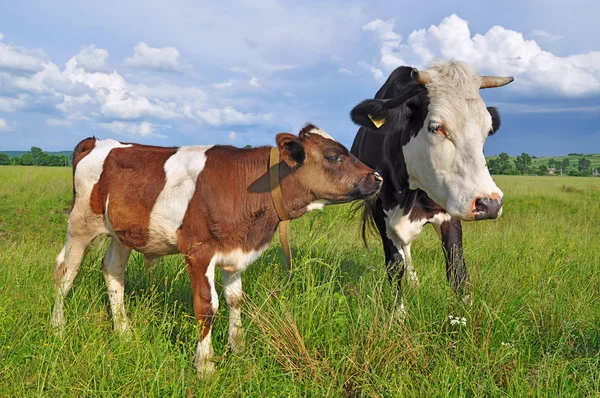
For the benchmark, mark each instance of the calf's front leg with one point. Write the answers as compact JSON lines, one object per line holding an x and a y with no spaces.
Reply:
{"x":201,"y":268}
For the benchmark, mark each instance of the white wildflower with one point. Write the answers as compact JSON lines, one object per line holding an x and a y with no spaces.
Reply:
{"x":454,"y":320}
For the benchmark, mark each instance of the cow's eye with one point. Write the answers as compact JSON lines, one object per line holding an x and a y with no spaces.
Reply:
{"x":436,"y":128}
{"x":334,"y":158}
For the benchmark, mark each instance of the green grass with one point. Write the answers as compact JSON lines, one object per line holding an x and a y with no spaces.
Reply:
{"x":533,"y":328}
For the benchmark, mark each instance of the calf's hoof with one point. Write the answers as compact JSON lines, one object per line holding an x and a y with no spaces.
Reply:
{"x":205,"y":369}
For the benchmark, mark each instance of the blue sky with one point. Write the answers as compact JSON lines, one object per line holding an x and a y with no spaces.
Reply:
{"x":238,"y":72}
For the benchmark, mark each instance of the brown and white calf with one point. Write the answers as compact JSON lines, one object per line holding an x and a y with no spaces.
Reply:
{"x":210,"y":203}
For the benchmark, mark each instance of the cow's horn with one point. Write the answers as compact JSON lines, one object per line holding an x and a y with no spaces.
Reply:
{"x":420,"y":77}
{"x":495,"y":81}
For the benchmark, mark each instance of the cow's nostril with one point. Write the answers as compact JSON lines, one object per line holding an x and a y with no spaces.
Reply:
{"x":481,"y":205}
{"x":377,"y":177}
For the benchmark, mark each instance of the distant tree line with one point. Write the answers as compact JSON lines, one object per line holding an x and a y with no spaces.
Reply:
{"x":35,"y":157}
{"x":523,"y":166}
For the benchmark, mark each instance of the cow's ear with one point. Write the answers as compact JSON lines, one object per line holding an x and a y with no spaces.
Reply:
{"x":370,"y":113}
{"x":495,"y":119}
{"x":291,"y":149}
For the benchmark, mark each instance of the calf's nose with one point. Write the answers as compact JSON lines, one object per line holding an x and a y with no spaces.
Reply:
{"x":487,"y":207}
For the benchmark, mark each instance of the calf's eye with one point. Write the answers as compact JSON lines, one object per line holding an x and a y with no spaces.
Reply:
{"x":334,"y":158}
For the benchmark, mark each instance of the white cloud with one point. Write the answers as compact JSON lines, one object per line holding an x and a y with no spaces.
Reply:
{"x":59,"y":122}
{"x":543,"y":35}
{"x":232,"y":135}
{"x":3,"y":125}
{"x":499,"y":51}
{"x":346,"y":71}
{"x":20,"y":59}
{"x":237,"y":69}
{"x":81,"y":94}
{"x":254,"y":82}
{"x":377,"y":73}
{"x":165,"y":59}
{"x":92,"y":59}
{"x":231,"y":116}
{"x":8,"y":104}
{"x":143,"y":129}
{"x":228,"y":83}
{"x":390,"y":42}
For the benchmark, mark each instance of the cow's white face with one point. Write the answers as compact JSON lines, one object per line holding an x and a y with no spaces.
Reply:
{"x":445,"y":159}
{"x":436,"y":125}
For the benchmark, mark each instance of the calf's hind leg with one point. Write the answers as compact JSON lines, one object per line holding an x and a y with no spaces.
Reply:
{"x":114,"y":264}
{"x":68,"y":262}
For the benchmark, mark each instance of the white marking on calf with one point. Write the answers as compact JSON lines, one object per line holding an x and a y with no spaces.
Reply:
{"x":237,"y":260}
{"x":89,"y":169}
{"x":182,"y":171}
{"x":322,"y":133}
{"x":318,"y":204}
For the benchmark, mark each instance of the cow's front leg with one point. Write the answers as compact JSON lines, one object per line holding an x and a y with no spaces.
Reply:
{"x":201,"y":268}
{"x":413,"y":279}
{"x":450,"y":233}
{"x":232,"y":286}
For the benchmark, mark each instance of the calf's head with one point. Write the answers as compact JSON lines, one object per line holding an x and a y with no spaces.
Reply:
{"x":440,"y":124}
{"x":324,"y":167}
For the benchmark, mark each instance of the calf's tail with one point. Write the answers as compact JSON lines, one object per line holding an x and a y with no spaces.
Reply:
{"x":81,"y":150}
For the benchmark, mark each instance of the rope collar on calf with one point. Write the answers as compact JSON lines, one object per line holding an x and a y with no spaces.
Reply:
{"x":284,"y":217}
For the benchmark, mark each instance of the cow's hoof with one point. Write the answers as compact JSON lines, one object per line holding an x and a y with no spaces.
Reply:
{"x":413,"y":279}
{"x":467,"y":300}
{"x":399,"y":314}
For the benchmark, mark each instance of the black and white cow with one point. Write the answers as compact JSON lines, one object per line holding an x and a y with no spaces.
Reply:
{"x":425,"y":132}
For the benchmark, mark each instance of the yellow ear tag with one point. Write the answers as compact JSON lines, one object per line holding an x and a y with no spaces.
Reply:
{"x":377,"y":122}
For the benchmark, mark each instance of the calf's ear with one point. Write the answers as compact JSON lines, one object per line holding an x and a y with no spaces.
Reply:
{"x":290,"y":149}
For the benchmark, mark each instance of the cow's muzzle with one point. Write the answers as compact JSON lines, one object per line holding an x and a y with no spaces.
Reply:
{"x":485,"y":208}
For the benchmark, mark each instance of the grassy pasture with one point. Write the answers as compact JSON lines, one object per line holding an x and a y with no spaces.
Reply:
{"x":533,"y":328}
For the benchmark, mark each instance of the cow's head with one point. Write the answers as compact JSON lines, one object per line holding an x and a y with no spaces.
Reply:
{"x":442,"y":124}
{"x":325,"y":168}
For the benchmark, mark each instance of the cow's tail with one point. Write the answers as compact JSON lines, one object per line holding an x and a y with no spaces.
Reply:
{"x":367,"y":225}
{"x":81,"y":150}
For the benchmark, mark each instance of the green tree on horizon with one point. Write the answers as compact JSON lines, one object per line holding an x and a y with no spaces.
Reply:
{"x":522,"y":163}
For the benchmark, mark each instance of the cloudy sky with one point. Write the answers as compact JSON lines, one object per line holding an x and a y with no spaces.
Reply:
{"x":191,"y":72}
